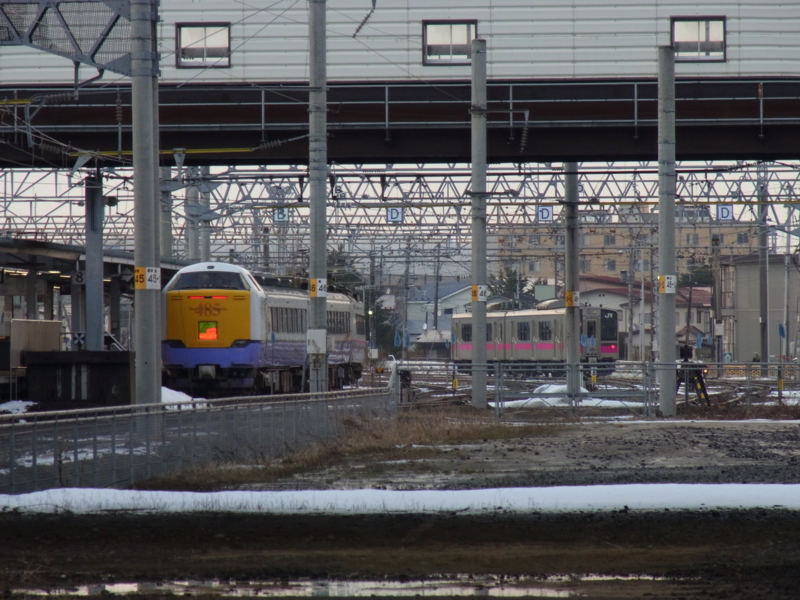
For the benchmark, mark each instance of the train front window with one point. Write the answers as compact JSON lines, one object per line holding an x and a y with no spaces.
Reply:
{"x":608,"y":327}
{"x":210,"y":280}
{"x":591,"y":329}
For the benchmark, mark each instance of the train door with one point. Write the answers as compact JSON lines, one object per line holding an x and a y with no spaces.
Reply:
{"x":524,"y":344}
{"x":490,"y":345}
{"x":545,"y":343}
{"x":590,"y":334}
{"x":559,"y":348}
{"x":501,"y":345}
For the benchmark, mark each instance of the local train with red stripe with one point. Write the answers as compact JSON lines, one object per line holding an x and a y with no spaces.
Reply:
{"x":228,"y":332}
{"x":536,"y":337}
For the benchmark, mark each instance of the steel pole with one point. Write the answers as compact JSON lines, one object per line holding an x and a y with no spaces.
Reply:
{"x":763,"y":259}
{"x":479,"y":223}
{"x":147,"y":276}
{"x":667,"y":374}
{"x":317,"y":179}
{"x":94,"y":262}
{"x":571,"y":280}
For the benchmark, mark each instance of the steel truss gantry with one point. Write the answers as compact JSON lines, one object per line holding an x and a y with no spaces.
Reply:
{"x":258,"y":216}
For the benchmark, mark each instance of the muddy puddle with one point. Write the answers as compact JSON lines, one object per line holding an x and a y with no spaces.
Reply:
{"x":550,"y":587}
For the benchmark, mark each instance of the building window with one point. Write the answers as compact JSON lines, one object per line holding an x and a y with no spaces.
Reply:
{"x":448,"y":42}
{"x":720,"y":237}
{"x":560,"y":240}
{"x":698,"y":39}
{"x":586,"y":240}
{"x":692,"y":239}
{"x":586,"y":265}
{"x":609,"y":239}
{"x":642,"y":239}
{"x":611,"y":264}
{"x":534,"y":266}
{"x":742,"y":238}
{"x":202,"y":45}
{"x":534,"y":241}
{"x":641,"y":265}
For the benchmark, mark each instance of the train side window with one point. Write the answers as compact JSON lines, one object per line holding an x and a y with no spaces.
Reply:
{"x":523,"y":331}
{"x":489,"y":332}
{"x":545,"y":330}
{"x":466,"y":332}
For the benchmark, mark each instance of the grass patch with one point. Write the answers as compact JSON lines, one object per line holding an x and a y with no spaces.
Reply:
{"x":413,"y":435}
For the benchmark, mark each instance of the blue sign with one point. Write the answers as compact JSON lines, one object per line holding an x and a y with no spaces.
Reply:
{"x":698,"y":341}
{"x":397,"y":339}
{"x":781,"y":330}
{"x":584,"y":340}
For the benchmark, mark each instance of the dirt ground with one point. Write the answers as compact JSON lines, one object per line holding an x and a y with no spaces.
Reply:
{"x":670,"y":554}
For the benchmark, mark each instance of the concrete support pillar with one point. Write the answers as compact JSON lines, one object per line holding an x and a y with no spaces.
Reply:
{"x":114,"y":299}
{"x":8,"y":307}
{"x":192,"y":228}
{"x":31,"y":304}
{"x":667,"y":371}
{"x":48,"y":301}
{"x":205,"y":224}
{"x":95,"y":313}
{"x":479,"y":283}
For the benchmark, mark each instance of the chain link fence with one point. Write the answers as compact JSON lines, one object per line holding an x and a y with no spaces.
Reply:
{"x":115,"y":447}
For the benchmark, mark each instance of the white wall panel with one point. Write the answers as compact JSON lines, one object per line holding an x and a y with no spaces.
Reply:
{"x":526,"y":39}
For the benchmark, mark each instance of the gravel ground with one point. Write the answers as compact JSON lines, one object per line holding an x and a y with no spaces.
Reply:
{"x":587,"y":454}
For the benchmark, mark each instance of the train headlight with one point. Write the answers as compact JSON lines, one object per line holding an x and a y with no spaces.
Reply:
{"x":240,"y":343}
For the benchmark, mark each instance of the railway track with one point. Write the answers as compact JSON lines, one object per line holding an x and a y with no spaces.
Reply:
{"x":432,"y":387}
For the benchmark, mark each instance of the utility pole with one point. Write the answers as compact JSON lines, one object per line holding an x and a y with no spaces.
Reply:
{"x":406,"y":281}
{"x":94,"y":262}
{"x":667,"y":278}
{"x":436,"y":289}
{"x":763,"y":256}
{"x":147,"y":277}
{"x":571,"y":281}
{"x":317,"y":340}
{"x":478,"y":110}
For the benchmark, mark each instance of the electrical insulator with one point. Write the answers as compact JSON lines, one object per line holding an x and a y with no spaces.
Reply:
{"x":119,"y":110}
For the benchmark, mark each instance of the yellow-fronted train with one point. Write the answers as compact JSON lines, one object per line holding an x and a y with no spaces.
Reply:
{"x":227,"y":332}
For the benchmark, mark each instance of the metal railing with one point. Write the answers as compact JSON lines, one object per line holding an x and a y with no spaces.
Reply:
{"x":115,"y":447}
